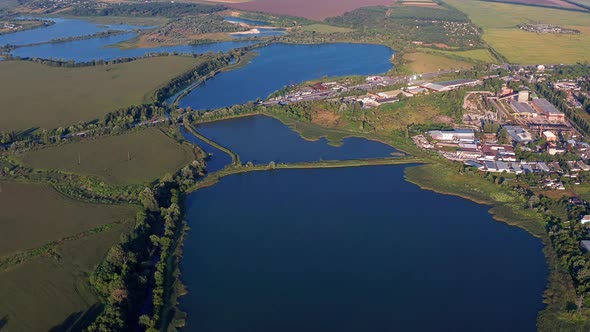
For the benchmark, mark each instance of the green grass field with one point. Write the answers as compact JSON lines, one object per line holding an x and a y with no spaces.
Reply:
{"x":499,"y":22}
{"x":48,"y":97}
{"x":479,"y":55}
{"x":427,"y":63}
{"x":35,"y":214}
{"x":152,"y":154}
{"x":44,"y":293}
{"x":540,"y":48}
{"x":324,"y":28}
{"x":499,"y":15}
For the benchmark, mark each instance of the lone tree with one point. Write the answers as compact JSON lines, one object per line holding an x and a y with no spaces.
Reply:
{"x":148,"y":200}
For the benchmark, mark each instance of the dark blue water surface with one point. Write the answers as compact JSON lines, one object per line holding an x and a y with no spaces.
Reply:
{"x":280,"y":64}
{"x":62,"y":28}
{"x":246,"y":21}
{"x":356,"y":249}
{"x":98,"y":48}
{"x":217,"y":160}
{"x":262,"y":139}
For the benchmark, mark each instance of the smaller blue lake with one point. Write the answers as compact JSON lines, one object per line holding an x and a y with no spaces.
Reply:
{"x":279,"y":65}
{"x":246,"y":21}
{"x":98,"y":49}
{"x":63,"y":28}
{"x":262,"y":139}
{"x":217,"y":160}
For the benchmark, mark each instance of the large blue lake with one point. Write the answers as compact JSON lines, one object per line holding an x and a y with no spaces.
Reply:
{"x":357,"y":249}
{"x":262,"y":139}
{"x":279,"y":65}
{"x":63,"y":28}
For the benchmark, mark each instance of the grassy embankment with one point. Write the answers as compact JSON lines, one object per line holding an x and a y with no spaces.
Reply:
{"x":499,"y":22}
{"x":236,"y":167}
{"x":478,"y":56}
{"x":50,"y":97}
{"x":421,"y":62}
{"x":135,"y":157}
{"x":212,"y":179}
{"x":234,"y":156}
{"x":50,"y":245}
{"x":428,"y":60}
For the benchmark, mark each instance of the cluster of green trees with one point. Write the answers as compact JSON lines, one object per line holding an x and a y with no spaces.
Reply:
{"x":565,"y":238}
{"x":165,"y":9}
{"x":179,"y":30}
{"x":557,"y":98}
{"x":444,"y":25}
{"x":491,"y":127}
{"x":127,"y":117}
{"x":166,"y":243}
{"x":561,"y":222}
{"x":114,"y":123}
{"x":300,"y":111}
{"x":135,"y":279}
{"x":123,"y":279}
{"x":572,"y":71}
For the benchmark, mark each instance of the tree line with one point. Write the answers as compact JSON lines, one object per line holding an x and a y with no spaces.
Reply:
{"x":165,"y":9}
{"x":92,"y":63}
{"x":135,"y":281}
{"x":557,"y":98}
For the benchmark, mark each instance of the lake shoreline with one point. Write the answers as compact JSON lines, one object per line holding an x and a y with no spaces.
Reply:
{"x":213,"y":182}
{"x":411,"y":162}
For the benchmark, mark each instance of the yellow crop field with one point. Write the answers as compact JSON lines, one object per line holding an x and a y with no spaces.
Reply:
{"x":499,"y":22}
{"x":529,"y":48}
